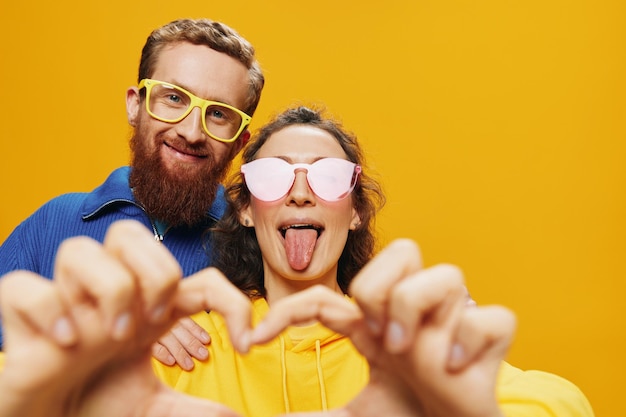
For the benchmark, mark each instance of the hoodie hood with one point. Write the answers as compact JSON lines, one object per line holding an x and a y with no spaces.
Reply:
{"x":307,"y":368}
{"x":299,"y":340}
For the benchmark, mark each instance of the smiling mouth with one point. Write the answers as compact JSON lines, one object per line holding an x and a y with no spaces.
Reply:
{"x":318,"y":229}
{"x":185,"y":151}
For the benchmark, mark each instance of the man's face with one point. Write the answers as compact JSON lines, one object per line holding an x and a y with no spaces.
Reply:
{"x":177,"y":166}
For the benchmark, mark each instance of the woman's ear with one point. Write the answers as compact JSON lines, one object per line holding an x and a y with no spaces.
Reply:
{"x":132,"y":105}
{"x":245,"y":218}
{"x":356,"y":220}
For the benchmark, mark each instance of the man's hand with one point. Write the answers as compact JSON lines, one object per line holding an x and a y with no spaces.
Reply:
{"x":184,"y":340}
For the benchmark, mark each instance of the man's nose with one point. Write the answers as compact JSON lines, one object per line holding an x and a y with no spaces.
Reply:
{"x":191,"y":127}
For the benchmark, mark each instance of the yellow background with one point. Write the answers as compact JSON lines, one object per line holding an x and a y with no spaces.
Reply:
{"x":496,"y":126}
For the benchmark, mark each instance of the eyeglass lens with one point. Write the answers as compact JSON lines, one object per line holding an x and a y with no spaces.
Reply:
{"x":171,"y":104}
{"x":331,"y":179}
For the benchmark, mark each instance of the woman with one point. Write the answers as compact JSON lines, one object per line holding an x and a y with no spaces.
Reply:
{"x":282,"y":239}
{"x":301,"y":218}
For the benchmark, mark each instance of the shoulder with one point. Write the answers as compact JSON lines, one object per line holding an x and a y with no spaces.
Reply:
{"x":539,"y":393}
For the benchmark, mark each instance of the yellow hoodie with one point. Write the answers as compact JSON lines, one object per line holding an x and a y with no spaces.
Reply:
{"x":306,"y":369}
{"x":311,"y":368}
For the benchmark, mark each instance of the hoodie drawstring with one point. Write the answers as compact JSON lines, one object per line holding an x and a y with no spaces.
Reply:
{"x":320,"y":375}
{"x":283,"y":366}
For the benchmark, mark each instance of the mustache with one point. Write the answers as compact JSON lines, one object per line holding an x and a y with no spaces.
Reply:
{"x":201,"y":149}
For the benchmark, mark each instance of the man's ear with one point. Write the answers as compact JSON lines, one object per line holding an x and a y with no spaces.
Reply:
{"x":132,"y":105}
{"x":243,"y":139}
{"x":245,"y":217}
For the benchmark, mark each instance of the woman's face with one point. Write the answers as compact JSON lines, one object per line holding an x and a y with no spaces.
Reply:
{"x":301,"y":236}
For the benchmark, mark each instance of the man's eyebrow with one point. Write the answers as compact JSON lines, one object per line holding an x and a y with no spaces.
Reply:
{"x":215,"y":98}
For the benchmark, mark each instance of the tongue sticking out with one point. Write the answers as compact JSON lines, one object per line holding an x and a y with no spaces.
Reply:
{"x":299,"y":244}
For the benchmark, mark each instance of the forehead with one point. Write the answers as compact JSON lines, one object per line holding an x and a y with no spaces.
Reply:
{"x":301,"y":143}
{"x":205,"y":72}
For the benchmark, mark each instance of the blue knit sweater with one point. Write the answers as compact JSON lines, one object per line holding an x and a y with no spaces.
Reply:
{"x":34,"y":243}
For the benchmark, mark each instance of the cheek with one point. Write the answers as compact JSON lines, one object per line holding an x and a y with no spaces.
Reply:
{"x":222,"y":151}
{"x":341,"y":213}
{"x":148,"y":128}
{"x":262,"y":209}
{"x":263,"y":214}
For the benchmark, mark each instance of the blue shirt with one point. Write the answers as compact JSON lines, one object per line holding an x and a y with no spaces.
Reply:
{"x":34,"y":243}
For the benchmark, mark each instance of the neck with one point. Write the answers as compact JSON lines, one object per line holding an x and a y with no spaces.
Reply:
{"x":278,"y":287}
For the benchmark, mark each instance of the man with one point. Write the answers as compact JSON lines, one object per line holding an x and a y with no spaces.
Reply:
{"x":199,"y":84}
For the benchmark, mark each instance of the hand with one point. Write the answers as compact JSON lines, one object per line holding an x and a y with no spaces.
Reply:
{"x":178,"y":345}
{"x":81,"y":344}
{"x":429,"y":353}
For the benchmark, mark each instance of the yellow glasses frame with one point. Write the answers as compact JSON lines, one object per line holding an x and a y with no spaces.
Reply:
{"x":196,"y":101}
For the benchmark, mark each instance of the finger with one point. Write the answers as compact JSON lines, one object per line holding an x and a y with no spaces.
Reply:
{"x":175,"y":346}
{"x":316,"y":303}
{"x":371,"y":287}
{"x":23,"y":297}
{"x":469,"y":301}
{"x":209,"y":289}
{"x":87,"y":275}
{"x":155,"y":268}
{"x":168,"y":403}
{"x":195,"y":330}
{"x":125,"y":389}
{"x":183,"y":345}
{"x":433,"y":294}
{"x":483,"y":333}
{"x":162,"y":354}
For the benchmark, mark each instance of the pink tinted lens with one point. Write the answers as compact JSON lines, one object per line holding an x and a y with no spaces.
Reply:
{"x":268,"y":179}
{"x":331,"y":179}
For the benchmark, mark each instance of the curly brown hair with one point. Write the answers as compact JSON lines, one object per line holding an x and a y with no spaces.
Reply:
{"x":235,"y":248}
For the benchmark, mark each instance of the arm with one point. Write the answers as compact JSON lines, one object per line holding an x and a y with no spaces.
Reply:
{"x":430,"y":353}
{"x":89,"y":354}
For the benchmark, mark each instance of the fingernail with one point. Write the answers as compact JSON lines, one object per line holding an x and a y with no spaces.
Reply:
{"x":157,"y":314}
{"x":63,"y":331}
{"x":395,"y":335}
{"x":205,"y":338}
{"x":373,"y":326}
{"x":457,"y":356}
{"x":203,"y":353}
{"x":121,"y":326}
{"x":188,"y":364}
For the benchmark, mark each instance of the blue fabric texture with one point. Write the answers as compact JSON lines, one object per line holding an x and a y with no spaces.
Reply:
{"x":34,"y":243}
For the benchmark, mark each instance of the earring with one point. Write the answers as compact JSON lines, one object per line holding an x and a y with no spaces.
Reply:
{"x":246,"y":222}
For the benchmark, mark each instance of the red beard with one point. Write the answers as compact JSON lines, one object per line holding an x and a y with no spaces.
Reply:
{"x":179,"y":197}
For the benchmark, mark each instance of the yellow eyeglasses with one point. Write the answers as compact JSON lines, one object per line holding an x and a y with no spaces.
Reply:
{"x":170,"y":103}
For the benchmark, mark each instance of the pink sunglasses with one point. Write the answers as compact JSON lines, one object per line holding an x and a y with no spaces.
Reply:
{"x":331,"y":179}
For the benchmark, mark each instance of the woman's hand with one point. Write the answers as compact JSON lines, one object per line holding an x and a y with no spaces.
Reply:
{"x":430,"y":354}
{"x":80,"y":345}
